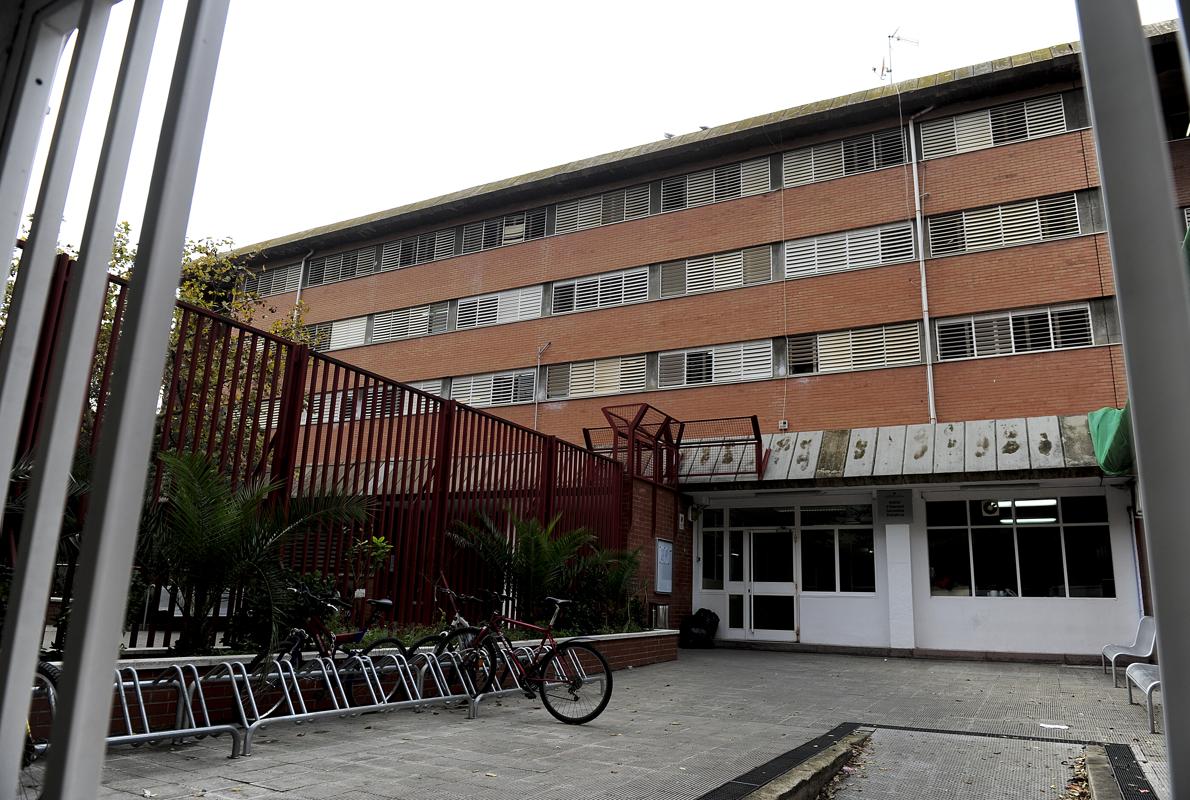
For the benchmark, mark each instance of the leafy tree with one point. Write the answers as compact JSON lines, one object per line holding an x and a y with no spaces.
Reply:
{"x":209,"y":539}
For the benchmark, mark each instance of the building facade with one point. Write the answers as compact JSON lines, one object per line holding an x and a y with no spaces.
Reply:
{"x":890,"y":262}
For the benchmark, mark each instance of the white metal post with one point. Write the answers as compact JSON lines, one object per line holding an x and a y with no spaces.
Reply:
{"x":122,"y":461}
{"x":1153,"y":293}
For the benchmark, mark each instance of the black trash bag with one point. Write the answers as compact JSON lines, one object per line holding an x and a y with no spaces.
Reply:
{"x":698,"y":629}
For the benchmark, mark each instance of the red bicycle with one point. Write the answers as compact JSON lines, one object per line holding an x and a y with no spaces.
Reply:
{"x":573,"y":678}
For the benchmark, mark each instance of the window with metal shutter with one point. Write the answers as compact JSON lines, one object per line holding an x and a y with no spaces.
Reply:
{"x":632,"y":373}
{"x":863,"y":248}
{"x":729,"y":270}
{"x":1059,"y":216}
{"x":1045,"y":116}
{"x":859,"y":155}
{"x":493,"y":233}
{"x":890,"y":148}
{"x":973,"y":131}
{"x":800,"y":258}
{"x":587,"y":294}
{"x":993,"y":335}
{"x":563,"y":298}
{"x":902,"y":344}
{"x":700,"y":274}
{"x":834,"y":351}
{"x":636,"y":202}
{"x":758,"y":265}
{"x":755,"y":177}
{"x":671,"y":369}
{"x":582,"y":379}
{"x":700,"y":188}
{"x":439,"y":317}
{"x":727,"y":364}
{"x":938,"y":138}
{"x":389,"y":325}
{"x":673,"y":193}
{"x":557,"y":381}
{"x":699,"y":367}
{"x":982,"y":229}
{"x":611,"y":290}
{"x":431,"y":386}
{"x":409,"y":251}
{"x":1031,"y":331}
{"x":828,"y":161}
{"x":348,"y":332}
{"x":390,"y":256}
{"x":590,"y":212}
{"x":673,"y":279}
{"x":797,"y":167}
{"x":513,"y":229}
{"x":1021,"y":223}
{"x":613,"y":207}
{"x":896,"y":243}
{"x":524,"y":386}
{"x":1072,"y":326}
{"x":535,"y":223}
{"x":444,"y":244}
{"x":1008,"y":123}
{"x":757,"y":360}
{"x":529,"y":302}
{"x":727,"y":182}
{"x":831,"y":252}
{"x":636,"y":285}
{"x":1186,"y":216}
{"x":320,"y":336}
{"x":566,"y":217}
{"x":802,"y":354}
{"x":607,"y":376}
{"x":955,"y":339}
{"x":867,"y":348}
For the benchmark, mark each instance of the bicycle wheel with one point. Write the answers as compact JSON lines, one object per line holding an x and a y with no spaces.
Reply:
{"x":576,"y":683}
{"x":479,"y":663}
{"x":45,"y":688}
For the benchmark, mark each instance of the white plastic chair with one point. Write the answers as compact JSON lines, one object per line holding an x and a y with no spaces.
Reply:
{"x":1142,"y":647}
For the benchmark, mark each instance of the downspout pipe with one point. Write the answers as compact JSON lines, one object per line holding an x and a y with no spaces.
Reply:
{"x":297,"y":299}
{"x":921,"y":266}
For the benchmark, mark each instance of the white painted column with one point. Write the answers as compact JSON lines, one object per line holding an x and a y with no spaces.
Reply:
{"x":900,"y":586}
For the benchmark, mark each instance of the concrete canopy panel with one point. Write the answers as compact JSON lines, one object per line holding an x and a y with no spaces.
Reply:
{"x":948,"y":447}
{"x":861,"y":453}
{"x":1077,"y":449}
{"x":1012,"y":444}
{"x":919,"y":449}
{"x":832,"y":455}
{"x":805,"y":455}
{"x":780,"y":448}
{"x":890,"y":450}
{"x":1045,"y":443}
{"x":979,"y":444}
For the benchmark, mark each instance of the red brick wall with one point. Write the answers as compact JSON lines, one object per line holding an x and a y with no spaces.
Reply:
{"x":651,"y":513}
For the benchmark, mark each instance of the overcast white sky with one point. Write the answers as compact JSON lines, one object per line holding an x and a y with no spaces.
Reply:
{"x":326,"y":111}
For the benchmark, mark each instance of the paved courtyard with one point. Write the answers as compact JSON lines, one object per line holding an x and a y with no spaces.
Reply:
{"x":672,"y":731}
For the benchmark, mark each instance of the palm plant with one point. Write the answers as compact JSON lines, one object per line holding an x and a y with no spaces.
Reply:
{"x":206,"y":537}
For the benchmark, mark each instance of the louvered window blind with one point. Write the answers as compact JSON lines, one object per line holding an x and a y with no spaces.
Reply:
{"x":868,"y":247}
{"x":717,"y":272}
{"x":823,"y":162}
{"x":407,"y":323}
{"x":348,"y":333}
{"x":1009,"y":332}
{"x":341,"y":266}
{"x":417,"y":250}
{"x":744,"y":361}
{"x":727,"y":182}
{"x":1015,"y":122}
{"x":603,"y":209}
{"x":1186,"y":216}
{"x":320,"y":336}
{"x":591,"y":378}
{"x":601,"y":291}
{"x":861,"y":348}
{"x":499,"y":231}
{"x":275,"y":280}
{"x":493,"y":309}
{"x":494,"y":389}
{"x":1005,"y":225}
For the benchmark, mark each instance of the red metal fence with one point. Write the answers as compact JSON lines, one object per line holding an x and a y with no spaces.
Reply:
{"x":266,"y":408}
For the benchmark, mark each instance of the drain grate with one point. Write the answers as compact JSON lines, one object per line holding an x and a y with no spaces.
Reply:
{"x":1133,"y":783}
{"x":759,"y":776}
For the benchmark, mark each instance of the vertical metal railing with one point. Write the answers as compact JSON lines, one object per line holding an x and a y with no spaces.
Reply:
{"x":1153,"y":292}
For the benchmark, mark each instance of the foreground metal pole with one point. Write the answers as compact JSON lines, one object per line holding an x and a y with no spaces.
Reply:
{"x":122,"y":461}
{"x":1154,"y":298}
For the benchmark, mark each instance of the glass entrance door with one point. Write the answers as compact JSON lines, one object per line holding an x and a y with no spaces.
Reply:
{"x":772,"y":590}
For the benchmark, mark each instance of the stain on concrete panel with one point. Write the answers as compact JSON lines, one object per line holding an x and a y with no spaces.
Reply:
{"x":890,"y":449}
{"x":1076,"y":441}
{"x":833,"y":454}
{"x":780,"y":447}
{"x":805,"y":455}
{"x":861,"y":453}
{"x":1012,"y":444}
{"x":919,"y":449}
{"x":1045,"y":443}
{"x":948,"y":447}
{"x":979,"y":444}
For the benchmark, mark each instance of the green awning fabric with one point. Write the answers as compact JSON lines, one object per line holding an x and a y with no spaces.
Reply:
{"x":1111,"y":435}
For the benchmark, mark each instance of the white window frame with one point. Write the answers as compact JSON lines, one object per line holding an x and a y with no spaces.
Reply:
{"x":1008,"y":317}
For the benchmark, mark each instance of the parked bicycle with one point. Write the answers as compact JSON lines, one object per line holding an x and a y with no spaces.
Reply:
{"x":572,"y":678}
{"x":37,"y":725}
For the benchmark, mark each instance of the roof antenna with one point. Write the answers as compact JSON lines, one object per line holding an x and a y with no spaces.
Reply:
{"x":884,"y":71}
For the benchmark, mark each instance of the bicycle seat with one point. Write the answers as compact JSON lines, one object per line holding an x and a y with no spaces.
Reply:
{"x":383,"y":602}
{"x":558,"y":602}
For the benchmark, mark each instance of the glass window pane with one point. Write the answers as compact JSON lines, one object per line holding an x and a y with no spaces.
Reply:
{"x":1040,"y":551}
{"x":818,"y":561}
{"x":735,"y":556}
{"x":950,"y":563}
{"x":772,"y":556}
{"x":1084,"y":509}
{"x":990,"y":512}
{"x":712,"y":559}
{"x":735,"y":611}
{"x":1036,"y":511}
{"x":857,"y":561}
{"x":762,"y":518}
{"x":772,"y":612}
{"x":837,"y":515}
{"x":712,"y":518}
{"x":946,"y":514}
{"x":1088,"y":561}
{"x":995,"y":562}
